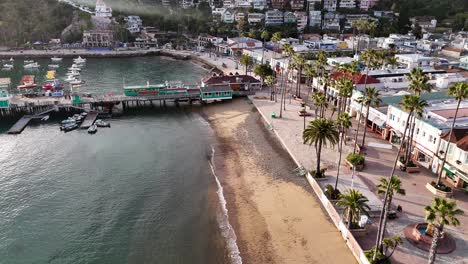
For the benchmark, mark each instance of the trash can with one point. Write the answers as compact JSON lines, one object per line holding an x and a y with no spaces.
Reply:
{"x":273,"y":115}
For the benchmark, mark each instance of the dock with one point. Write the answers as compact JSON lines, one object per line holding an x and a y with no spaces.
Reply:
{"x":89,"y":120}
{"x":19,"y":126}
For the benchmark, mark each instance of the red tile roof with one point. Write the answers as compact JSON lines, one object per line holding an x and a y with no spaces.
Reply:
{"x":459,"y":136}
{"x":357,"y":78}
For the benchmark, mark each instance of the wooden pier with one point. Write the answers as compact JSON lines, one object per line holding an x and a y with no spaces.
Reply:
{"x":89,"y":120}
{"x":19,"y":126}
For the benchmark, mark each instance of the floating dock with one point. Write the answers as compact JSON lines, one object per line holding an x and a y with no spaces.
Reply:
{"x":89,"y":120}
{"x":19,"y":126}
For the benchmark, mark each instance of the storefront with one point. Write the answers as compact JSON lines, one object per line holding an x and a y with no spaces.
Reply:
{"x":455,"y":177}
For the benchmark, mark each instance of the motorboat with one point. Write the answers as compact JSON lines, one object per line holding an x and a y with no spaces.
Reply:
{"x":70,"y":78}
{"x":28,"y":61}
{"x":69,"y":120}
{"x":84,"y":114}
{"x":76,"y":82}
{"x":92,"y":129}
{"x":53,"y":66}
{"x":79,"y":60}
{"x":101,"y":123}
{"x":50,"y":75}
{"x":73,"y":74}
{"x":55,"y":59}
{"x":7,"y":67}
{"x":33,"y":65}
{"x":75,"y":67}
{"x":78,"y":118}
{"x":11,"y":59}
{"x":27,"y":82}
{"x":52,"y":84}
{"x":45,"y":118}
{"x":68,"y":127}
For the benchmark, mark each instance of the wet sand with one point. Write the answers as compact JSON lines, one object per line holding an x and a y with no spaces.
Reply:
{"x":276,"y":217}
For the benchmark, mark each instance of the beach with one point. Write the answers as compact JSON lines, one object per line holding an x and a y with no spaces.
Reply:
{"x":276,"y":217}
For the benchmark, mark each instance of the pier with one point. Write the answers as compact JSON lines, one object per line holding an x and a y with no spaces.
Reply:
{"x":89,"y":120}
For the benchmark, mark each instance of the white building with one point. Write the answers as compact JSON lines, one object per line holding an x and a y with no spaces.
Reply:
{"x":366,"y":4}
{"x":259,"y":4}
{"x":414,"y":60}
{"x":289,"y":17}
{"x":102,"y":10}
{"x":239,"y":16}
{"x":228,"y":16}
{"x":229,"y":3}
{"x":455,"y":169}
{"x":301,"y":20}
{"x":315,"y":18}
{"x":331,"y":21}
{"x":274,"y":17}
{"x":243,"y":4}
{"x":186,"y":4}
{"x":347,"y":4}
{"x":330,"y":5}
{"x":255,"y":18}
{"x":133,"y":24}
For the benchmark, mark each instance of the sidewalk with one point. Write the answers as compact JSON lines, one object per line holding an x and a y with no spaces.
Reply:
{"x":379,"y":161}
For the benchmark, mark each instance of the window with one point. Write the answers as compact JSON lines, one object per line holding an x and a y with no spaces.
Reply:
{"x":430,"y":138}
{"x":417,"y":131}
{"x":424,"y":134}
{"x":434,"y":140}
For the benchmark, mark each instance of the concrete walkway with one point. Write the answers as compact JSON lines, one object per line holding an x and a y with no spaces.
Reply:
{"x":379,"y":161}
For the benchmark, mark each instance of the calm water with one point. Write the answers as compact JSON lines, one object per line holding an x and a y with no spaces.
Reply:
{"x":104,"y":76}
{"x":139,"y":192}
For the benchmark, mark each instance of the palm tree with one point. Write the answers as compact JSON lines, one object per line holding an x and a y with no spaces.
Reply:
{"x":370,"y":98}
{"x":440,"y":214}
{"x":271,"y":81}
{"x":394,"y":188}
{"x":264,"y":36}
{"x":310,"y":74}
{"x":415,"y":107}
{"x":247,"y":61}
{"x":345,"y":88}
{"x":355,"y":205}
{"x":275,"y":38}
{"x":320,"y":103}
{"x":392,"y":61}
{"x":320,"y":132}
{"x":410,"y":104}
{"x":418,"y":81}
{"x":344,"y":123}
{"x":299,"y":62}
{"x":460,"y":92}
{"x":289,"y":51}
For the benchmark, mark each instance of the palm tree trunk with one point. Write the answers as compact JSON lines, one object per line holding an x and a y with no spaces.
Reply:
{"x":357,"y":129}
{"x":319,"y":152}
{"x":448,"y":143}
{"x":383,"y":213}
{"x":410,"y":146}
{"x":365,"y":126}
{"x":435,"y":242}
{"x":263,"y":50}
{"x":384,"y":224}
{"x":339,"y":159}
{"x":350,"y":218}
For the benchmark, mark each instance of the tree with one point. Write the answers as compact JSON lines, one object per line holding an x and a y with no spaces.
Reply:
{"x":289,"y":51}
{"x":264,"y":36}
{"x":392,"y":61}
{"x":345,"y":88}
{"x":320,"y":103}
{"x":299,"y":62}
{"x":247,"y":61}
{"x":271,"y":81}
{"x":320,"y":132}
{"x":275,"y":38}
{"x":355,"y":204}
{"x":369,"y":98}
{"x":440,"y":214}
{"x":263,"y":70}
{"x":310,"y":74}
{"x":410,"y":104}
{"x":460,"y":92}
{"x":417,"y":31}
{"x":344,"y":123}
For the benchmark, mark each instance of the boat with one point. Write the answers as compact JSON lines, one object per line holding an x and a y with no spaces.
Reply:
{"x":69,"y":120}
{"x":84,"y":114}
{"x":50,"y":75}
{"x":28,"y":61}
{"x":55,"y":59}
{"x":11,"y":59}
{"x":32,"y":65}
{"x":70,"y":78}
{"x":75,"y":67}
{"x":7,"y":67}
{"x":53,"y":66}
{"x":45,"y":118}
{"x":101,"y":123}
{"x":76,"y":82}
{"x":27,"y":82}
{"x":79,"y":60}
{"x":52,"y":84}
{"x":92,"y":129}
{"x":68,"y":127}
{"x":73,"y":74}
{"x":78,"y":118}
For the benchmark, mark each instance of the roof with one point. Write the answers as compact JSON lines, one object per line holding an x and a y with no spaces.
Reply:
{"x":230,"y":79}
{"x":391,"y":100}
{"x":216,"y":88}
{"x":450,"y":113}
{"x":357,"y":78}
{"x":459,"y":137}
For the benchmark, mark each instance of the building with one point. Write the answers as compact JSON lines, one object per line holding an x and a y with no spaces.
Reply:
{"x":255,"y":18}
{"x":274,"y":18}
{"x":297,"y":4}
{"x":241,"y":43}
{"x":427,"y":23}
{"x":414,"y":60}
{"x":166,"y":3}
{"x":98,"y":39}
{"x":259,"y":4}
{"x":186,"y":4}
{"x":347,"y":4}
{"x":464,"y":63}
{"x":279,"y":4}
{"x":212,"y":93}
{"x":455,"y":169}
{"x":243,"y":4}
{"x":239,"y":16}
{"x":366,"y":4}
{"x":102,"y":10}
{"x":330,"y":5}
{"x":229,"y":3}
{"x":331,"y":21}
{"x":301,"y":20}
{"x":314,"y":4}
{"x":238,"y":83}
{"x":315,"y":18}
{"x":289,"y":17}
{"x":228,"y":16}
{"x":133,"y":24}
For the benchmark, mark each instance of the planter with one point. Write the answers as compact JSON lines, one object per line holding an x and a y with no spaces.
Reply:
{"x":320,"y":179}
{"x":359,"y":167}
{"x":304,"y":113}
{"x":438,"y":192}
{"x":361,"y":232}
{"x":412,"y":169}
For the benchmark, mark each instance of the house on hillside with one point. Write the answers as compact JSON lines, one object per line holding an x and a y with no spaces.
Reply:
{"x":274,"y":18}
{"x":102,"y":10}
{"x":289,"y":17}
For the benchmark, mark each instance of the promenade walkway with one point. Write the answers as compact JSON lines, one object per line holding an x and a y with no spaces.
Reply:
{"x":379,"y":161}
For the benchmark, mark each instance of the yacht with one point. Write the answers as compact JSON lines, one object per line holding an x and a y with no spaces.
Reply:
{"x":55,"y":59}
{"x":79,"y":60}
{"x":32,"y":65}
{"x":92,"y":129}
{"x":101,"y":123}
{"x":53,"y":66}
{"x":28,"y":61}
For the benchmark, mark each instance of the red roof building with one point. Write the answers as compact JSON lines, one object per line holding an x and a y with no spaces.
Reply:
{"x":357,"y":78}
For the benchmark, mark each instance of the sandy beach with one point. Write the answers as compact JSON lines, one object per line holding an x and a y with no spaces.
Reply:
{"x":275,"y":215}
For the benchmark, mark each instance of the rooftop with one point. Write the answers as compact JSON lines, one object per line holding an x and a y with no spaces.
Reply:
{"x":211,"y":80}
{"x":459,"y":136}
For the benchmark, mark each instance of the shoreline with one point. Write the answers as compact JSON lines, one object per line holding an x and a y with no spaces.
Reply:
{"x":275,"y":214}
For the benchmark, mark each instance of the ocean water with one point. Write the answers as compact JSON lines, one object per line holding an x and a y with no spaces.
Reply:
{"x":143,"y":191}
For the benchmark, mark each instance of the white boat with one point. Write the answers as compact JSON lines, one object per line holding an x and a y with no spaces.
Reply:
{"x":11,"y":59}
{"x":32,"y":66}
{"x":74,"y":67}
{"x":70,"y":78}
{"x":28,"y":61}
{"x":92,"y":129}
{"x":101,"y":123}
{"x":8,"y":66}
{"x":76,"y":82}
{"x":73,"y":74}
{"x":79,"y":60}
{"x":53,"y":66}
{"x":55,"y":59}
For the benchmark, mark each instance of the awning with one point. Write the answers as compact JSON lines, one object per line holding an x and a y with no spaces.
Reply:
{"x":397,"y":133}
{"x":379,"y":122}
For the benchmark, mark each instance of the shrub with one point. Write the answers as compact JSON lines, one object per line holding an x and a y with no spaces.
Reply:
{"x":441,"y":187}
{"x":318,"y":175}
{"x":355,"y":159}
{"x":332,"y":193}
